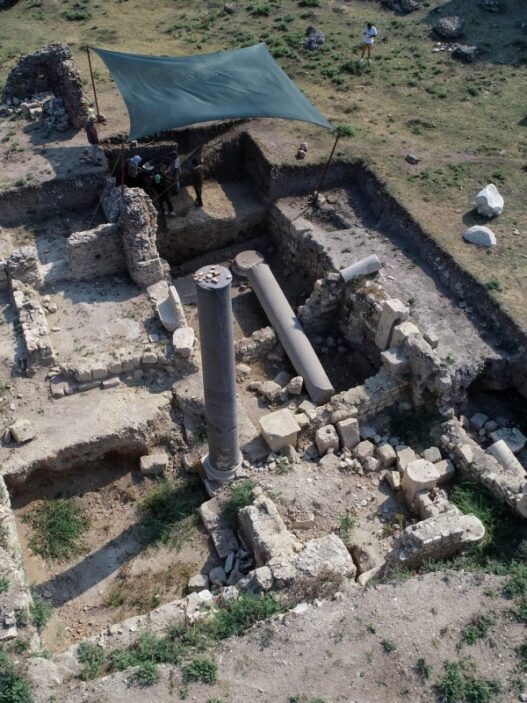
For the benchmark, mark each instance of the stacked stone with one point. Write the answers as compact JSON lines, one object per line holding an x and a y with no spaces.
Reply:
{"x":258,"y":346}
{"x":51,"y":69}
{"x":138,"y":227}
{"x":96,"y":252}
{"x":33,"y":325}
{"x":322,"y":305}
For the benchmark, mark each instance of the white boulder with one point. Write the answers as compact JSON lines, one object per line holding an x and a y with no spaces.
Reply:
{"x":489,"y":201}
{"x":482,"y":236}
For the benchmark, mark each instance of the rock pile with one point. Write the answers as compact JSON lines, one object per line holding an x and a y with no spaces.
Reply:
{"x":51,"y":69}
{"x":313,"y":38}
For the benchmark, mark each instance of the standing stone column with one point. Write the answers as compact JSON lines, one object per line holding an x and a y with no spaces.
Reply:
{"x":213,"y":285}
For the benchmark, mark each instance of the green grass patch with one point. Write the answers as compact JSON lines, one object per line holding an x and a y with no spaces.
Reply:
{"x":477,"y":629}
{"x":14,"y":688}
{"x":92,"y":658}
{"x":201,"y":669}
{"x":40,"y":611}
{"x":241,"y":495}
{"x":346,"y":525}
{"x":146,"y":674}
{"x":58,"y":528}
{"x":458,"y":685}
{"x":389,"y":646}
{"x":169,"y":512}
{"x":4,"y":585}
{"x":423,"y":669}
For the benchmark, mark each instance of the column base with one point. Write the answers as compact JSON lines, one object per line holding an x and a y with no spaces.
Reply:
{"x":216,"y":476}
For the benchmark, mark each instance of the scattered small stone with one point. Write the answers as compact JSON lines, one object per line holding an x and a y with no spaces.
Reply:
{"x":412,"y":159}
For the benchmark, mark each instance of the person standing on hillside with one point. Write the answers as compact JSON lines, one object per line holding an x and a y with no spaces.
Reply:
{"x":369,"y":33}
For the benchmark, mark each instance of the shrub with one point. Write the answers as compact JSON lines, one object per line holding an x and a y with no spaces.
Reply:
{"x":477,"y":628}
{"x":59,"y":526}
{"x":241,"y":495}
{"x":238,"y":615}
{"x":355,"y":67}
{"x":309,"y":3}
{"x":458,"y":686}
{"x":346,"y":130}
{"x":346,"y":524}
{"x":389,"y":646}
{"x":91,"y":656}
{"x":146,"y":674}
{"x":41,"y":612}
{"x":201,"y":669}
{"x":423,"y":669}
{"x":13,"y":687}
{"x":4,"y":585}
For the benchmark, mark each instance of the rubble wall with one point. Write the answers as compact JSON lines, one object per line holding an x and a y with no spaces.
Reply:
{"x":52,"y":69}
{"x":96,"y":252}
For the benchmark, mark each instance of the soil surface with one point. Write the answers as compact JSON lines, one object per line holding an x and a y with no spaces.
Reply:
{"x":117,"y":574}
{"x":336,"y":651}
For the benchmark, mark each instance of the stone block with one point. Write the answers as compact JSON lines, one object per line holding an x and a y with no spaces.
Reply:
{"x":393,"y":311}
{"x":217,"y":576}
{"x":99,"y":372}
{"x":279,"y":429}
{"x":478,"y":420}
{"x":432,"y":454}
{"x":22,"y":431}
{"x":262,"y":578}
{"x":282,"y":378}
{"x":501,"y":451}
{"x":309,"y":408}
{"x":349,"y":433}
{"x":264,"y":531}
{"x":183,"y":341}
{"x":82,"y":375}
{"x":394,"y":479}
{"x":149,"y":358}
{"x":363,"y":450}
{"x":115,"y":367}
{"x":197,"y":583}
{"x":302,"y":420}
{"x":370,"y":464}
{"x":395,"y":361}
{"x":170,"y":311}
{"x":153,"y":464}
{"x":419,"y":475}
{"x":219,"y":528}
{"x":294,"y":387}
{"x":432,"y":339}
{"x":385,"y":453}
{"x":111,"y":383}
{"x":326,"y":438}
{"x":404,"y":455}
{"x":270,"y":390}
{"x":514,"y":439}
{"x":402,"y":331}
{"x":446,"y":470}
{"x":323,"y":556}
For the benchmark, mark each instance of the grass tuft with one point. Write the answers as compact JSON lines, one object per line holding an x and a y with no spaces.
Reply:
{"x":14,"y":688}
{"x":241,"y":495}
{"x":59,"y":526}
{"x":201,"y":669}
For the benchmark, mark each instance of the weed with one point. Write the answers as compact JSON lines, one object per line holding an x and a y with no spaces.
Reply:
{"x":241,"y":495}
{"x":458,"y":686}
{"x":346,"y":130}
{"x":201,"y":669}
{"x":309,"y":3}
{"x":4,"y":585}
{"x":40,"y":611}
{"x":199,"y":435}
{"x":346,"y":524}
{"x":477,"y":629}
{"x":91,"y":656}
{"x":494,"y":284}
{"x":389,"y":646}
{"x":355,"y":67}
{"x":238,"y":615}
{"x":423,"y":669}
{"x":21,"y":617}
{"x":59,"y":526}
{"x":260,"y":10}
{"x":13,"y":687}
{"x":145,"y":674}
{"x":170,"y":512}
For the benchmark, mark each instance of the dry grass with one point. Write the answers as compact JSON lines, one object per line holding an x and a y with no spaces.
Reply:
{"x":466,"y":122}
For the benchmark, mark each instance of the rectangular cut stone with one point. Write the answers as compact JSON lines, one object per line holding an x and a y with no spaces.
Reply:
{"x":99,"y":373}
{"x":402,"y":331}
{"x":404,"y":456}
{"x":153,"y":464}
{"x":385,"y":453}
{"x":218,"y":526}
{"x":349,"y":432}
{"x":394,"y":361}
{"x":279,"y":429}
{"x":446,"y":470}
{"x":393,"y":311}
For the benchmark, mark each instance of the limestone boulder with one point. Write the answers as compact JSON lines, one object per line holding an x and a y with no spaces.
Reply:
{"x":480,"y":235}
{"x":326,"y":438}
{"x":22,"y":431}
{"x":264,"y":531}
{"x":279,"y":429}
{"x":451,"y":27}
{"x":323,"y":556}
{"x":489,"y":201}
{"x":153,"y":464}
{"x":183,"y":341}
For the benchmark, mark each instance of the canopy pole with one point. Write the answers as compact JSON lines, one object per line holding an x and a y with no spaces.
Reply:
{"x":93,"y":83}
{"x":314,"y":197}
{"x":122,"y":169}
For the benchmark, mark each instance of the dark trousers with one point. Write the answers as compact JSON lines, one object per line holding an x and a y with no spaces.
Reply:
{"x":162,"y":198}
{"x":198,"y":187}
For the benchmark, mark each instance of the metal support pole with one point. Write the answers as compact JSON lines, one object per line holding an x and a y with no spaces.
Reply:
{"x":286,"y":325}
{"x":93,"y":83}
{"x":213,"y":284}
{"x":321,"y":182}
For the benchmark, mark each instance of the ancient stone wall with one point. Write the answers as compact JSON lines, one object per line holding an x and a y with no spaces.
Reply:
{"x":138,"y":228}
{"x":33,"y":325}
{"x":50,"y":69}
{"x":96,"y":252}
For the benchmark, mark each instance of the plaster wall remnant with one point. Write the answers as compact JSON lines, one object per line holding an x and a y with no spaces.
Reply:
{"x":95,"y":252}
{"x":50,"y":69}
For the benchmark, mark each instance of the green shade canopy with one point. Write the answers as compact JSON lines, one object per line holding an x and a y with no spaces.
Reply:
{"x":163,"y":93}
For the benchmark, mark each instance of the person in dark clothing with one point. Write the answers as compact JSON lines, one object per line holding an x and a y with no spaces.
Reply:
{"x":197,"y":181}
{"x":160,"y":187}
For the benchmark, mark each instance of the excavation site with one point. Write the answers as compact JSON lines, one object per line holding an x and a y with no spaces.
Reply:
{"x":254,"y":419}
